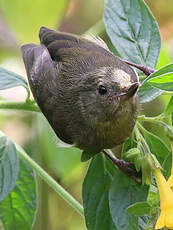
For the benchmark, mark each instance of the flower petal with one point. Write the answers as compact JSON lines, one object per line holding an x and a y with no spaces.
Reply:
{"x":170,"y":181}
{"x":169,"y":218}
{"x":161,"y":221}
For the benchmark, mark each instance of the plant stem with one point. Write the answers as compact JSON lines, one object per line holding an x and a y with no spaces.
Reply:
{"x":140,"y":137}
{"x":51,"y":182}
{"x":157,"y":119}
{"x":19,"y":106}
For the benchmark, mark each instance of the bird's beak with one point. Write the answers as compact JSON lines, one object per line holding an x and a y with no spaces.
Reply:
{"x":129,"y":92}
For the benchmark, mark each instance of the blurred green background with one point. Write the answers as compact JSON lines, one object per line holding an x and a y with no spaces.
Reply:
{"x":19,"y":24}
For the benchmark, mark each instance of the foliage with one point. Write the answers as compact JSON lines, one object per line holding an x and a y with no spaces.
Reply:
{"x":111,"y":200}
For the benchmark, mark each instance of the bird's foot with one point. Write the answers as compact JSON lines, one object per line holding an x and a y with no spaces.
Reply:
{"x":125,"y":167}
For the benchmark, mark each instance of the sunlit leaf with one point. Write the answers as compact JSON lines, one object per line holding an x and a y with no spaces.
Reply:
{"x":18,"y":209}
{"x":161,"y":79}
{"x":166,"y":70}
{"x":133,"y":31}
{"x":163,"y":82}
{"x":9,"y":164}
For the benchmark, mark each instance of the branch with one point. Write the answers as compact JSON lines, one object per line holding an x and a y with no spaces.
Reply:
{"x":146,"y":70}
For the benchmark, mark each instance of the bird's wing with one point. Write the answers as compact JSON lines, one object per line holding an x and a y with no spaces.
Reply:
{"x":77,"y":52}
{"x":39,"y":65}
{"x":42,"y":74}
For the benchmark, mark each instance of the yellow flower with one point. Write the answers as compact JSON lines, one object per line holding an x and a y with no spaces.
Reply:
{"x":170,"y":180}
{"x":166,"y":202}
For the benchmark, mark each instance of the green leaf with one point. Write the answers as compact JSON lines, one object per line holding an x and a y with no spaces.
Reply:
{"x":9,"y":164}
{"x":167,"y":165}
{"x":162,"y":78}
{"x":9,"y":79}
{"x":124,"y":192}
{"x":160,"y":150}
{"x":87,"y":155}
{"x":133,"y":31}
{"x":157,"y":146}
{"x":18,"y":209}
{"x":169,"y":108}
{"x":95,"y":196}
{"x":163,"y":82}
{"x":162,"y":71}
{"x":139,"y":208}
{"x":148,"y":93}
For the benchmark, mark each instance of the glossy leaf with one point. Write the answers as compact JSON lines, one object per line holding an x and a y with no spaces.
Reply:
{"x":9,"y":79}
{"x":133,"y":31}
{"x":139,"y":208}
{"x":9,"y":164}
{"x":95,"y":196}
{"x":148,"y":93}
{"x":124,"y":192}
{"x":18,"y":209}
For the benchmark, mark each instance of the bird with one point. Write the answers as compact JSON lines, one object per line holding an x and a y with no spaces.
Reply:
{"x":88,"y":95}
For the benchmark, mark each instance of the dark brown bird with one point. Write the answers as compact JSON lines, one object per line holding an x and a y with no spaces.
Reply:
{"x":86,"y":93}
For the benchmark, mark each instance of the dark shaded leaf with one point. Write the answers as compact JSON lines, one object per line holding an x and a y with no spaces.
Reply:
{"x":95,"y":196}
{"x":139,"y":208}
{"x":9,"y":79}
{"x":87,"y":155}
{"x":9,"y":164}
{"x":167,"y":165}
{"x":133,"y":31}
{"x":17,"y":210}
{"x":124,"y":192}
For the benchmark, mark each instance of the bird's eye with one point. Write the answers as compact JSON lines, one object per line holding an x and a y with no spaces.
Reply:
{"x":102,"y":90}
